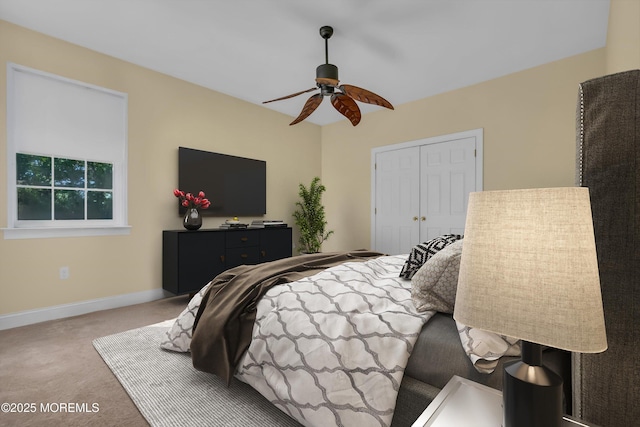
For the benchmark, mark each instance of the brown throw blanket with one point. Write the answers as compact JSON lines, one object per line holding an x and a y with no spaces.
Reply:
{"x":224,"y":324}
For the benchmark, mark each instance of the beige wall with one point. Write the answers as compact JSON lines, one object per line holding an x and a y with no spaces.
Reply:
{"x":623,"y":36}
{"x":529,"y":139}
{"x":164,"y":113}
{"x":528,"y":120}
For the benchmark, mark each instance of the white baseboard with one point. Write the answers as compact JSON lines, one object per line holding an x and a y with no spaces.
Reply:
{"x":29,"y":317}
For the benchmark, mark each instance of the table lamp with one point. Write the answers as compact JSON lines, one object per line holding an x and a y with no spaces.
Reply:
{"x":529,"y":270}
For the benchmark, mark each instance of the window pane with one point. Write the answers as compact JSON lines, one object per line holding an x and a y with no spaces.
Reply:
{"x":69,"y":204}
{"x":68,"y":173}
{"x":34,"y":204}
{"x":99,"y":205}
{"x":33,"y":170}
{"x":99,"y":175}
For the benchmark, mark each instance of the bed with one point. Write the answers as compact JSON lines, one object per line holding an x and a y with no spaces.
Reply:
{"x":350,"y":338}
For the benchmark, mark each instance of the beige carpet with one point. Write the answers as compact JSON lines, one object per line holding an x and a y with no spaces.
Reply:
{"x":53,"y":363}
{"x":169,"y":392}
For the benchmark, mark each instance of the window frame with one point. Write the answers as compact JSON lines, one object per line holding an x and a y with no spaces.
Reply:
{"x":25,"y":229}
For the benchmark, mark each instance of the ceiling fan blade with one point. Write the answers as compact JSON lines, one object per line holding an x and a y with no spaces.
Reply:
{"x":347,"y":107}
{"x":309,"y":107}
{"x":366,"y":96}
{"x":290,"y":96}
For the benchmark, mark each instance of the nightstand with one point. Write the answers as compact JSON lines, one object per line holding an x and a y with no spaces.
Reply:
{"x":463,"y":402}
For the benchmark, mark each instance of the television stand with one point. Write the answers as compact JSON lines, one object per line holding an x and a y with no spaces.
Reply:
{"x":190,"y":259}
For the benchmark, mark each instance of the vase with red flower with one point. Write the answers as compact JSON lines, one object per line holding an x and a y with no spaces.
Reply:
{"x":192,"y":218}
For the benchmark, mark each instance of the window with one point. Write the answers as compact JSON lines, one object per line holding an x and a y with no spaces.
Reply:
{"x":52,"y":188}
{"x":66,"y":154}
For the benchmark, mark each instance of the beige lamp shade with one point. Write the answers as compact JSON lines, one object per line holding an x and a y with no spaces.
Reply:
{"x":529,"y":268}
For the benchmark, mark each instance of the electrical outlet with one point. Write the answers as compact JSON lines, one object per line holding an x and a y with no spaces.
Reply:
{"x":64,"y":273}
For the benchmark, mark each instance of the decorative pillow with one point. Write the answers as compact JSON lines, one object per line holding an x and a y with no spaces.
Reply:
{"x":422,"y":252}
{"x":435,"y":284}
{"x":178,"y":337}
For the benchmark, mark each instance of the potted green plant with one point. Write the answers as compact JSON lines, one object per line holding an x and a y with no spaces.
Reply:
{"x":309,"y":217}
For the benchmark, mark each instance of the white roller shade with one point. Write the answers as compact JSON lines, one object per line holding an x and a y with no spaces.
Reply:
{"x":60,"y":117}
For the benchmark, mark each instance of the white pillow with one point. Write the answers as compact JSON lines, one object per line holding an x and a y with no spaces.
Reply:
{"x":434,"y":285}
{"x":486,"y":348}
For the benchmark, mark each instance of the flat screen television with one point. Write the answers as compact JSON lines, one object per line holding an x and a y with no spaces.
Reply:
{"x":235,"y":186}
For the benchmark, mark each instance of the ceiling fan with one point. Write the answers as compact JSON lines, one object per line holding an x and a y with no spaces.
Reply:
{"x":342,"y":96}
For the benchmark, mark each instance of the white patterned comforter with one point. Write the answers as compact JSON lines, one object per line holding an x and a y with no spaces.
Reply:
{"x":331,"y":349}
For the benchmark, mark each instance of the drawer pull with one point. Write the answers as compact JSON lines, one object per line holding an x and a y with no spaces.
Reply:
{"x":244,"y":256}
{"x":263,"y":253}
{"x":222,"y":258}
{"x":244,"y":239}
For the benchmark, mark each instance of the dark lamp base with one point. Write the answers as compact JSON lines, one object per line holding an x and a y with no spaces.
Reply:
{"x":532,"y":393}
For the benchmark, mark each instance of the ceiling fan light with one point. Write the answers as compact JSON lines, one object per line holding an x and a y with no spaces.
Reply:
{"x":326,"y":90}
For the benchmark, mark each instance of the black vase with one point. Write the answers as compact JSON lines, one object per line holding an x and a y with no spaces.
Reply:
{"x":192,"y":219}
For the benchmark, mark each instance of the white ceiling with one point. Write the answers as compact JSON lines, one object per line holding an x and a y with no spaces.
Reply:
{"x":257,"y":50}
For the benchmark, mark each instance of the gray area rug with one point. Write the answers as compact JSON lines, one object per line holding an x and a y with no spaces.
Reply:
{"x":168,"y":391}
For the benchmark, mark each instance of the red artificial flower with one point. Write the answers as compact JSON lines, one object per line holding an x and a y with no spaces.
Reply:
{"x":189,"y":201}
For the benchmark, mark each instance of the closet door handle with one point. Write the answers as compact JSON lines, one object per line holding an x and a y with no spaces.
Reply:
{"x":423,"y":218}
{"x":415,"y":218}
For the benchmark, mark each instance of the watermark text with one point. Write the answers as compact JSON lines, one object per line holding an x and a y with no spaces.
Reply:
{"x":50,"y":407}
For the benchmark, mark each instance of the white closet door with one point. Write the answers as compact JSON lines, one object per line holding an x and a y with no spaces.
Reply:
{"x":447,"y":176}
{"x":397,"y":176}
{"x":420,"y":189}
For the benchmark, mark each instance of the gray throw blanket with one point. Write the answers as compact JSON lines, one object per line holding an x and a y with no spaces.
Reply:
{"x":224,"y":322}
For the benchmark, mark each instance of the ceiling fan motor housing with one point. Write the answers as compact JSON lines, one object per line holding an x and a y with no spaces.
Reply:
{"x":327,"y":74}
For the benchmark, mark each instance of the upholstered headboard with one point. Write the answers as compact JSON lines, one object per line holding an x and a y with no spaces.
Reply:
{"x":607,"y":385}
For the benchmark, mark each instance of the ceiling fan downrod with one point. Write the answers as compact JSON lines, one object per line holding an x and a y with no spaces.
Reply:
{"x":326,"y":32}
{"x":327,"y":74}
